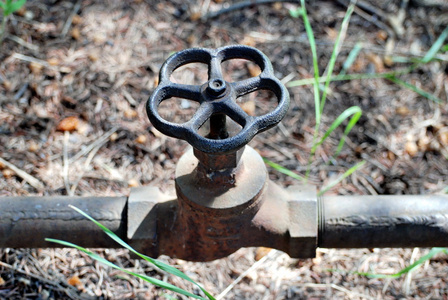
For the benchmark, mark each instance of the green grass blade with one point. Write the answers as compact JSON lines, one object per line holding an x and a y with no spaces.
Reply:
{"x":335,"y":53}
{"x":415,"y":89}
{"x":436,"y":46}
{"x":284,"y":170}
{"x":149,"y":279}
{"x":355,"y":113}
{"x":311,"y":39}
{"x":155,"y":262}
{"x":339,"y":179}
{"x":351,"y":57}
{"x":308,"y":81}
{"x":407,"y":269}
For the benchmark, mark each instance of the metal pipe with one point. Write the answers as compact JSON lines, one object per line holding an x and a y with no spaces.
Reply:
{"x":383,"y":221}
{"x":25,"y":222}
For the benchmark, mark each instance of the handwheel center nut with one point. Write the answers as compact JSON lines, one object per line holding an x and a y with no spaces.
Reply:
{"x":216,"y":87}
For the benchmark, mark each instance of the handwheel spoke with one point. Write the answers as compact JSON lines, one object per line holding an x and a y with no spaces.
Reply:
{"x":215,"y":71}
{"x":246,"y":86}
{"x":187,"y":91}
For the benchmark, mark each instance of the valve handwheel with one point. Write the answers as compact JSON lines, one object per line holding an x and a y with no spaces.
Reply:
{"x":217,"y":99}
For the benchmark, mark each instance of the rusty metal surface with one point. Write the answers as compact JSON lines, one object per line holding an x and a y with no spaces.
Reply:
{"x":384,"y":221}
{"x":25,"y":222}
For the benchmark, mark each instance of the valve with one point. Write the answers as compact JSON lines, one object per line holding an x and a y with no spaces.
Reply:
{"x":217,"y":99}
{"x":225,"y":199}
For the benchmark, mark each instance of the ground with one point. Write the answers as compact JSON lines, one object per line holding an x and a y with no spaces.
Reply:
{"x":97,"y":63}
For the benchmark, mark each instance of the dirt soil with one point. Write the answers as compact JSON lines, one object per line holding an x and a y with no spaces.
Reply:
{"x":96,"y":63}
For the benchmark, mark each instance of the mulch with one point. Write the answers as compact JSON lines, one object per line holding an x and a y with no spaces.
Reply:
{"x":74,"y":79}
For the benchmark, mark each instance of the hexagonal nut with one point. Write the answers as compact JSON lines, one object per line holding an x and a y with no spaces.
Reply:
{"x":303,"y":221}
{"x":219,"y":162}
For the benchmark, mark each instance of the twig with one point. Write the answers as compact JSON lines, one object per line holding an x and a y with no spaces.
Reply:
{"x":22,"y":42}
{"x":244,"y":274}
{"x":95,"y":144}
{"x":31,"y":59}
{"x":68,"y":289}
{"x":98,"y":144}
{"x":407,"y":281}
{"x":34,"y":182}
{"x":66,"y":163}
{"x":68,"y":23}
{"x":241,"y":5}
{"x":336,"y":287}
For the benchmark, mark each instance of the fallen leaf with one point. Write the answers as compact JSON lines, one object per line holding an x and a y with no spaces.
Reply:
{"x":133,"y":183}
{"x":249,"y":107}
{"x":261,"y":252}
{"x":76,"y":33}
{"x":8,"y":173}
{"x":77,"y":19}
{"x":254,"y":70}
{"x":74,"y":281}
{"x":68,"y":124}
{"x":141,"y":139}
{"x":35,"y":67}
{"x":411,"y":148}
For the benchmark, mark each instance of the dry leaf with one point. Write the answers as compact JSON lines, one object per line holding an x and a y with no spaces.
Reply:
{"x":423,"y":143}
{"x":254,"y":70}
{"x":195,"y":16}
{"x":7,"y":85}
{"x":381,"y":35}
{"x":68,"y":124}
{"x":411,"y":148}
{"x":74,"y":281}
{"x":76,"y":20}
{"x":76,"y":33}
{"x":133,"y":183}
{"x":402,"y":110}
{"x":261,"y":252}
{"x":249,"y":107}
{"x":8,"y":173}
{"x":130,"y":113}
{"x":141,"y":139}
{"x":35,"y":67}
{"x":377,"y":61}
{"x":2,"y":281}
{"x":53,"y":61}
{"x":113,"y":137}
